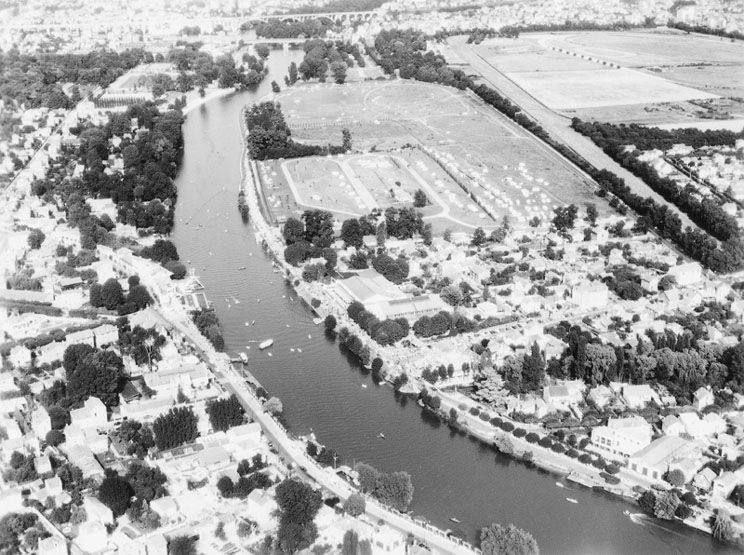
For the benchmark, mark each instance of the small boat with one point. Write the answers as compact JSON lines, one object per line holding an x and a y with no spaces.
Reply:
{"x":317,"y":321}
{"x":559,"y":485}
{"x":571,"y":500}
{"x":265,"y":344}
{"x":241,"y":268}
{"x":247,"y":323}
{"x":291,"y":349}
{"x":299,"y":350}
{"x":455,"y":519}
{"x":243,"y":357}
{"x":381,"y":436}
{"x":626,"y":512}
{"x":364,"y":386}
{"x":253,"y":322}
{"x":270,"y":354}
{"x":309,"y":336}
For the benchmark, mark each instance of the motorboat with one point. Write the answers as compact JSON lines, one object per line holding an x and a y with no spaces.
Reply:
{"x":381,"y":436}
{"x":243,"y":357}
{"x":571,"y":500}
{"x":455,"y":519}
{"x":265,"y":344}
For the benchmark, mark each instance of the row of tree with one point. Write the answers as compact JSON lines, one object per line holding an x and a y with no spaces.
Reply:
{"x":726,"y":257}
{"x":706,"y":213}
{"x":385,"y":332}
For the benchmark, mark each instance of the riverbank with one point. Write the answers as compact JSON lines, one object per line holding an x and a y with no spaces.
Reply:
{"x":270,"y":238}
{"x":554,"y":462}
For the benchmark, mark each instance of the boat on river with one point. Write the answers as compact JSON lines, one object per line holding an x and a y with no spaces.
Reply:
{"x":455,"y":519}
{"x":265,"y":344}
{"x":571,"y":500}
{"x":243,"y":357}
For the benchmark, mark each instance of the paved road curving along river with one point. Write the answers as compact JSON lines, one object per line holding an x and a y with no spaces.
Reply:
{"x":323,"y":390}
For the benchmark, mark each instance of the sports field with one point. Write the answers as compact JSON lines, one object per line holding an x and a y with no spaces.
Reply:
{"x":353,"y":185}
{"x":474,"y":164}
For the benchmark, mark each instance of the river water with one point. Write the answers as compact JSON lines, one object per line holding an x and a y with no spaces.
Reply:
{"x":324,"y":390}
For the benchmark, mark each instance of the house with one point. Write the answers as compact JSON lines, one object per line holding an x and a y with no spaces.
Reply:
{"x":260,"y":506}
{"x":671,"y":426}
{"x":43,"y":465}
{"x":41,"y":424}
{"x":53,"y":545}
{"x":704,"y":479}
{"x":166,"y":509}
{"x":92,"y":537}
{"x":97,"y":511}
{"x":715,"y":423}
{"x":662,"y":455}
{"x":564,"y":394}
{"x":636,"y":396}
{"x":703,"y":397}
{"x":622,"y":436}
{"x":19,"y":357}
{"x":695,"y":427}
{"x":724,"y":484}
{"x":686,"y":274}
{"x":82,"y":457}
{"x":590,"y":294}
{"x":91,"y":415}
{"x":105,"y":335}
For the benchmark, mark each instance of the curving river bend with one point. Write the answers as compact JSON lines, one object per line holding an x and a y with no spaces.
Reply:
{"x":324,"y":391}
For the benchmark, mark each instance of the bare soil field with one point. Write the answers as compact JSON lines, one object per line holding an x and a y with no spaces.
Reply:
{"x":527,"y":54}
{"x":651,"y":48}
{"x":663,"y":70}
{"x":566,"y":90}
{"x":475,"y":165}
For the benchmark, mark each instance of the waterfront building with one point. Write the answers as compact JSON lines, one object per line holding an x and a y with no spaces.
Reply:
{"x":622,"y":436}
{"x":664,"y":454}
{"x":383,"y":298}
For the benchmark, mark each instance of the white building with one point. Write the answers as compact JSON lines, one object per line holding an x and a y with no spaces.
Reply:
{"x":622,"y":436}
{"x":91,"y":415}
{"x":590,"y":294}
{"x":383,"y":298}
{"x":41,"y":424}
{"x":664,"y":454}
{"x":686,"y":274}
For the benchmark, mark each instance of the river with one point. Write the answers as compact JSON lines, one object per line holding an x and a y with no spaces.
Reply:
{"x":324,"y":390}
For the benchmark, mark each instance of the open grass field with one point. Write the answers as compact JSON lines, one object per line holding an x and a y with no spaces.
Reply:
{"x":568,"y":90}
{"x":474,"y":164}
{"x":354,"y":185}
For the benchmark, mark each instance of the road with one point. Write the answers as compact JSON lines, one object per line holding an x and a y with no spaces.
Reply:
{"x":557,"y":125}
{"x":294,"y":451}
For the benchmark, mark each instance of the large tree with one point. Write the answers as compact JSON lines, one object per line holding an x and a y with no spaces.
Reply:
{"x":175,"y":428}
{"x":298,"y":503}
{"x":116,"y":493}
{"x":225,"y":413}
{"x":96,"y":374}
{"x":507,"y":540}
{"x":351,"y":233}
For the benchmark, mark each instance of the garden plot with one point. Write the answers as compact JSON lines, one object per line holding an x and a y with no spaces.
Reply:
{"x":597,"y":88}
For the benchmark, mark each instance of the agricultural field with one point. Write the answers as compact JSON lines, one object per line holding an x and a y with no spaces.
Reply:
{"x":474,"y":164}
{"x":570,"y":90}
{"x":667,"y":76}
